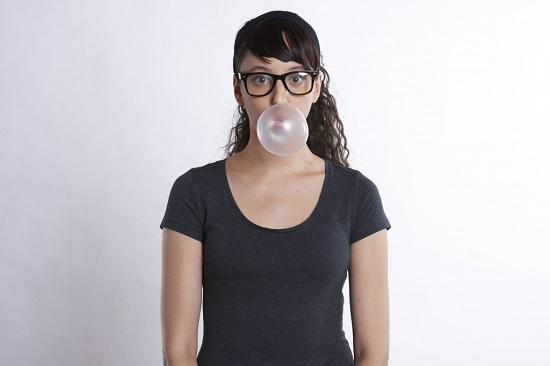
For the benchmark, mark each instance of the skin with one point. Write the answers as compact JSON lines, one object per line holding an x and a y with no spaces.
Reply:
{"x":369,"y":299}
{"x":275,"y":192}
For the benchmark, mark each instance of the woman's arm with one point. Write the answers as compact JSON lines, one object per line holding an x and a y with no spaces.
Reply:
{"x":181,"y":297}
{"x":369,"y":299}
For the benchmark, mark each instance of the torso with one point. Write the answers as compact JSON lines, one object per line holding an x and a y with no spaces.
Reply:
{"x":276,"y":201}
{"x":277,"y":292}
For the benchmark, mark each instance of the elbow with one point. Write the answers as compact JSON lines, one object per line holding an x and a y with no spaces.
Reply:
{"x":371,"y":359}
{"x":178,"y":357}
{"x":179,"y":350}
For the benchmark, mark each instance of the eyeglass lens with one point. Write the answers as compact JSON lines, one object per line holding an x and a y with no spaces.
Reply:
{"x":296,"y":83}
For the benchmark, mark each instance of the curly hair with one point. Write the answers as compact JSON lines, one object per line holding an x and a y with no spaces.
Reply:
{"x":286,"y":41}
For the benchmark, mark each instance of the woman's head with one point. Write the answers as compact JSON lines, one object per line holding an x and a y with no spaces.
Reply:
{"x":286,"y":37}
{"x":279,"y":34}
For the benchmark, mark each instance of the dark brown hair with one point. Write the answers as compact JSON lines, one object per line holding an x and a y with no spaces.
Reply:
{"x":287,"y":41}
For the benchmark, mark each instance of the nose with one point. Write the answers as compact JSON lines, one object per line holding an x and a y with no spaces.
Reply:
{"x":279,"y":93}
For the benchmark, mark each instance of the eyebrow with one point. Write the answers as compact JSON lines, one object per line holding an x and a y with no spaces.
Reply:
{"x":266,"y":70}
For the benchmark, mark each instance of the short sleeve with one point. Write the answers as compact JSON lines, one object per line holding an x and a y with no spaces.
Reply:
{"x":185,"y":210}
{"x":369,"y":216}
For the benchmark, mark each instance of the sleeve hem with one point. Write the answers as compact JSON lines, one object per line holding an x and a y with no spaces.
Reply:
{"x":362,"y":235}
{"x":182,"y":230}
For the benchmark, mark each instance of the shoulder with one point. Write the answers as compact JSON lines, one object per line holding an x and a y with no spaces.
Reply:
{"x":203,"y":175}
{"x":350,"y":178}
{"x":364,"y":204}
{"x":198,"y":181}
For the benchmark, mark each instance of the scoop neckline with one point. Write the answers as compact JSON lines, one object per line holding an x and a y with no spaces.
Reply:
{"x":243,"y":217}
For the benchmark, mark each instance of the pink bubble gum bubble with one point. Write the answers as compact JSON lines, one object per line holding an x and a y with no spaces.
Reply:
{"x":282,"y":129}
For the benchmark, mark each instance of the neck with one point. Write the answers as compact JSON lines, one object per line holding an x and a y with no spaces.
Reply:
{"x":259,"y":158}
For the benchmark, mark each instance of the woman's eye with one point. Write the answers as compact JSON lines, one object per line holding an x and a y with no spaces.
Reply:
{"x":296,"y":78}
{"x":261,"y":79}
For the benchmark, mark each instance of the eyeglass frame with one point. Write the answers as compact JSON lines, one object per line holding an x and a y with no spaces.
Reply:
{"x":275,"y":77}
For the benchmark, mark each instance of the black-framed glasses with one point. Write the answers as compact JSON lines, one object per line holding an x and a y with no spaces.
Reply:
{"x":258,"y":84}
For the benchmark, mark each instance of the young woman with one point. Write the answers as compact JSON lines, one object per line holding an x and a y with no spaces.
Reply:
{"x":266,"y":241}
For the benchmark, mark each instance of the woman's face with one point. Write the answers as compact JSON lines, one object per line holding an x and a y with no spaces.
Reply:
{"x":256,"y":105}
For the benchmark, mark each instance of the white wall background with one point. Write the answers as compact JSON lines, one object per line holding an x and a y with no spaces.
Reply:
{"x":104,"y":103}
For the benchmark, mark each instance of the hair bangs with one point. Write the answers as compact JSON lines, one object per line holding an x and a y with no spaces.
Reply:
{"x":284,"y":41}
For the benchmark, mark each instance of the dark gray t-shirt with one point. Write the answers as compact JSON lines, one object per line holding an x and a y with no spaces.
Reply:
{"x":274,"y":296}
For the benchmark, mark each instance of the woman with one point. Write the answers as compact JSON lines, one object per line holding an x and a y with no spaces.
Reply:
{"x":269,"y":240}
